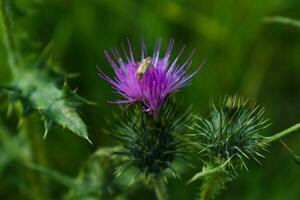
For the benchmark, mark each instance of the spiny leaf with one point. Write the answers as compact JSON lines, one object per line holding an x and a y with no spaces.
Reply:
{"x":209,"y":171}
{"x":67,"y":116}
{"x":74,"y":98}
{"x":47,"y":126}
{"x":39,"y":92}
{"x":36,"y":89}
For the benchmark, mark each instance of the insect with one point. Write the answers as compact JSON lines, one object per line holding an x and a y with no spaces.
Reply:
{"x":143,"y":67}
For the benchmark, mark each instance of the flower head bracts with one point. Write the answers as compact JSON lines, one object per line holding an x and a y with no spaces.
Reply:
{"x":149,"y":80}
{"x":231,"y":131}
{"x":152,"y":146}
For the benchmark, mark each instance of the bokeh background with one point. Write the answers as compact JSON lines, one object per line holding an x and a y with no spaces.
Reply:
{"x":243,"y":55}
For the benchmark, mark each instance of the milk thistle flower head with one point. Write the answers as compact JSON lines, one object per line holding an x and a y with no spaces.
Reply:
{"x":148,"y":80}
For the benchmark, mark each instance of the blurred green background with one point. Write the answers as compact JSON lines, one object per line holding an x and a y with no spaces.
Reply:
{"x":258,"y":60}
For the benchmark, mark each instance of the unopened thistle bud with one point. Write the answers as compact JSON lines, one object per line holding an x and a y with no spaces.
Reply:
{"x":152,"y":146}
{"x":231,"y":131}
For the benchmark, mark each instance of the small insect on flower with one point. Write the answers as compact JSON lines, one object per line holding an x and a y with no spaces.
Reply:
{"x":143,"y":67}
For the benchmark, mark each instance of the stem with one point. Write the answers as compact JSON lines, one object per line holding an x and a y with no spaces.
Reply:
{"x":160,"y":188}
{"x":212,"y":185}
{"x":31,"y":129}
{"x":281,"y":134}
{"x":11,"y":144}
{"x":8,"y":36}
{"x":282,"y":20}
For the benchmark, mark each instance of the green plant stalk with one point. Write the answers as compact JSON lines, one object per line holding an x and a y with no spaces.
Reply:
{"x":212,"y":185}
{"x":281,"y":134}
{"x":159,"y":188}
{"x":214,"y":179}
{"x":8,"y":142}
{"x":282,"y":20}
{"x":32,"y":130}
{"x":8,"y":35}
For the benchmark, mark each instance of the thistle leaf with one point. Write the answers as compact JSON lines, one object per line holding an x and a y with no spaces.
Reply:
{"x":209,"y":171}
{"x":67,"y":117}
{"x":38,"y":91}
{"x":34,"y":85}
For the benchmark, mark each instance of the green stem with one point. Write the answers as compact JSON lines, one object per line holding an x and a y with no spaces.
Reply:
{"x":8,"y":36}
{"x":32,"y":129}
{"x":282,"y":20}
{"x":212,"y":185}
{"x":160,"y":188}
{"x":11,"y":144}
{"x":281,"y":134}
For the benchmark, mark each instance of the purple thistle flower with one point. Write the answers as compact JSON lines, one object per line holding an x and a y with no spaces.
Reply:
{"x":148,"y":83}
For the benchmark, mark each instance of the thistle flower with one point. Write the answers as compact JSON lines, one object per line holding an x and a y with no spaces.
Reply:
{"x":148,"y":80}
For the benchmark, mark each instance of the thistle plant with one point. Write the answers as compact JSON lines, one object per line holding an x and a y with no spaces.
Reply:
{"x":153,"y":130}
{"x":230,"y":135}
{"x":153,"y":123}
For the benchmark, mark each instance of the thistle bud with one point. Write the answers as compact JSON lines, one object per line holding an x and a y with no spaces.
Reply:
{"x":152,"y":145}
{"x":231,"y":131}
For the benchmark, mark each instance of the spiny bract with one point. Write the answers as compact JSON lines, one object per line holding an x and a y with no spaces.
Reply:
{"x":231,"y":131}
{"x":153,"y":145}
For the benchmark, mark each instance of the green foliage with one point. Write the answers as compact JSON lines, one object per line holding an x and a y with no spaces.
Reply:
{"x":35,"y":87}
{"x":13,"y":148}
{"x":96,"y":179}
{"x":38,"y":92}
